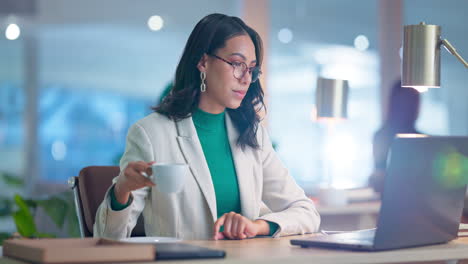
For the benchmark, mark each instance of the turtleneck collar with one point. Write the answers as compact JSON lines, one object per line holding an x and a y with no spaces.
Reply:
{"x":207,"y":121}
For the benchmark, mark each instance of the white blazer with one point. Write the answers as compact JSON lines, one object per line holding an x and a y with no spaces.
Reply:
{"x":191,"y":213}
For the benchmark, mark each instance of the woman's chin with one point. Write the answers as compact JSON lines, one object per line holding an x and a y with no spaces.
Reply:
{"x":233,"y":105}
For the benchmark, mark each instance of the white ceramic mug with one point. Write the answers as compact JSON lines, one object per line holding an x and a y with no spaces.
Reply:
{"x":169,"y":177}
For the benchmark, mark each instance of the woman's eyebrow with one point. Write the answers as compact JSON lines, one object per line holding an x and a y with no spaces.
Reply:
{"x":242,"y":56}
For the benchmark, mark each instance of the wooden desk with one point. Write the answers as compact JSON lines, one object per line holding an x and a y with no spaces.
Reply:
{"x":278,"y":250}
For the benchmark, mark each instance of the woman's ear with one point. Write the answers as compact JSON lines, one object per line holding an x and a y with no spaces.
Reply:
{"x":203,"y":63}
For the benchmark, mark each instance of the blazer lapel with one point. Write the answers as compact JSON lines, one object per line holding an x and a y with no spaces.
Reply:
{"x":244,"y":171}
{"x":193,"y":154}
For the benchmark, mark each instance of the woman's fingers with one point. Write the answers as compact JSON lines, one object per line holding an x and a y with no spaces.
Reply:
{"x":140,"y":166}
{"x":135,"y":180}
{"x":235,"y":225}
{"x":217,"y":226}
{"x":149,"y":170}
{"x":229,"y":224}
{"x":148,"y":182}
{"x":135,"y":175}
{"x":219,"y":236}
{"x":234,"y":222}
{"x":240,"y":229}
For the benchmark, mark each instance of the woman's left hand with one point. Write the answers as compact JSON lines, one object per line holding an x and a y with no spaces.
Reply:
{"x":237,"y":226}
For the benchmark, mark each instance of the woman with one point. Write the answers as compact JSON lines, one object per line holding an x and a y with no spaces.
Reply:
{"x":209,"y":121}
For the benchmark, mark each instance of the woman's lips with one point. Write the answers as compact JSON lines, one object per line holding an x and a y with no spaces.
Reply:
{"x":239,"y":93}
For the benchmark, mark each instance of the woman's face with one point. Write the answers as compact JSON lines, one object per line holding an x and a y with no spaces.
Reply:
{"x":223,"y":90}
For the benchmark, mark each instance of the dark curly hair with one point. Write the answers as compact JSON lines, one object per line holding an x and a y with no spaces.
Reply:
{"x":209,"y":35}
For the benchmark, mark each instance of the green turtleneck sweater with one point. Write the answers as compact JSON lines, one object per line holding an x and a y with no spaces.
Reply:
{"x":212,"y":133}
{"x":211,"y":130}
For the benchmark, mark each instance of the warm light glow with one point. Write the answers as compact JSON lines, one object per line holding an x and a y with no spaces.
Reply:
{"x":361,"y":43}
{"x":343,"y":185}
{"x":421,"y":89}
{"x":313,"y":113}
{"x":341,"y":149}
{"x":155,"y":23}
{"x":285,"y":35}
{"x":411,"y":135}
{"x":12,"y":32}
{"x":328,"y":120}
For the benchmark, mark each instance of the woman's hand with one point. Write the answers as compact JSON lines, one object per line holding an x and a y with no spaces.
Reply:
{"x":237,"y":226}
{"x":132,"y":179}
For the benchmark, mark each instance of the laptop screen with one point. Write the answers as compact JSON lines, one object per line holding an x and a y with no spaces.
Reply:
{"x":424,"y":191}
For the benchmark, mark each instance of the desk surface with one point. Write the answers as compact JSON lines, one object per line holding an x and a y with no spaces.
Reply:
{"x":278,"y":250}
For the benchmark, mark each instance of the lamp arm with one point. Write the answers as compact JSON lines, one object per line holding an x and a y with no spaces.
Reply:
{"x":453,"y":51}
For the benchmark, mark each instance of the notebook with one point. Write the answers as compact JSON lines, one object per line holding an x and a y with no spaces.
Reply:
{"x":172,"y":251}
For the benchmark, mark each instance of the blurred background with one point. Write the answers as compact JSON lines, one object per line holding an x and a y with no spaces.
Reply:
{"x":74,"y":75}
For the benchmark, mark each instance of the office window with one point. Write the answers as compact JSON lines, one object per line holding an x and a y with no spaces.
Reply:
{"x":98,"y":72}
{"x":333,"y":39}
{"x":80,"y":128}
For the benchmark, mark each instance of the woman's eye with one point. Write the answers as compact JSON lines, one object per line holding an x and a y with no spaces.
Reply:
{"x":236,"y":64}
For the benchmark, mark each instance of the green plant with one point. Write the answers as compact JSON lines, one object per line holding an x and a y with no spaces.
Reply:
{"x":24,"y":219}
{"x":60,"y":208}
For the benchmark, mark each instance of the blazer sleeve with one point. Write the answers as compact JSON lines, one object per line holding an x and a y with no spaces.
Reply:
{"x":291,"y":209}
{"x":119,"y":224}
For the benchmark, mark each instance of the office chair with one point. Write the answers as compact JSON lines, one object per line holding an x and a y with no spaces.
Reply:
{"x":89,"y":189}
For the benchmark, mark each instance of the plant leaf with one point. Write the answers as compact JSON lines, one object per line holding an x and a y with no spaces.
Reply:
{"x":23,"y":206}
{"x":56,"y":208}
{"x":71,"y":219}
{"x":11,"y":180}
{"x":24,"y":223}
{"x":73,"y":225}
{"x":23,"y":218}
{"x":31,"y":203}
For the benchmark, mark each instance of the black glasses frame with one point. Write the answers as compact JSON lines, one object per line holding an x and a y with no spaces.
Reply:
{"x":247,"y":69}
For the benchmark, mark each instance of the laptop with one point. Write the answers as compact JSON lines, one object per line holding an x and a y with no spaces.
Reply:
{"x":422,"y":201}
{"x":173,"y":251}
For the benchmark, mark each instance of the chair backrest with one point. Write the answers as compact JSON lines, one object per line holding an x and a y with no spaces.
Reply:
{"x":89,"y":189}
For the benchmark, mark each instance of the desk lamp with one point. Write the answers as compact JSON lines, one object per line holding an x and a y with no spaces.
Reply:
{"x":331,"y":100}
{"x":421,"y":56}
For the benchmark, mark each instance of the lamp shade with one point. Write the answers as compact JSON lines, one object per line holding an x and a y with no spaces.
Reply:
{"x":421,"y":56}
{"x":331,"y":98}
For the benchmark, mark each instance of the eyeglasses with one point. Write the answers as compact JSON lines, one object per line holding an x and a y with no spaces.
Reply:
{"x":240,"y":69}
